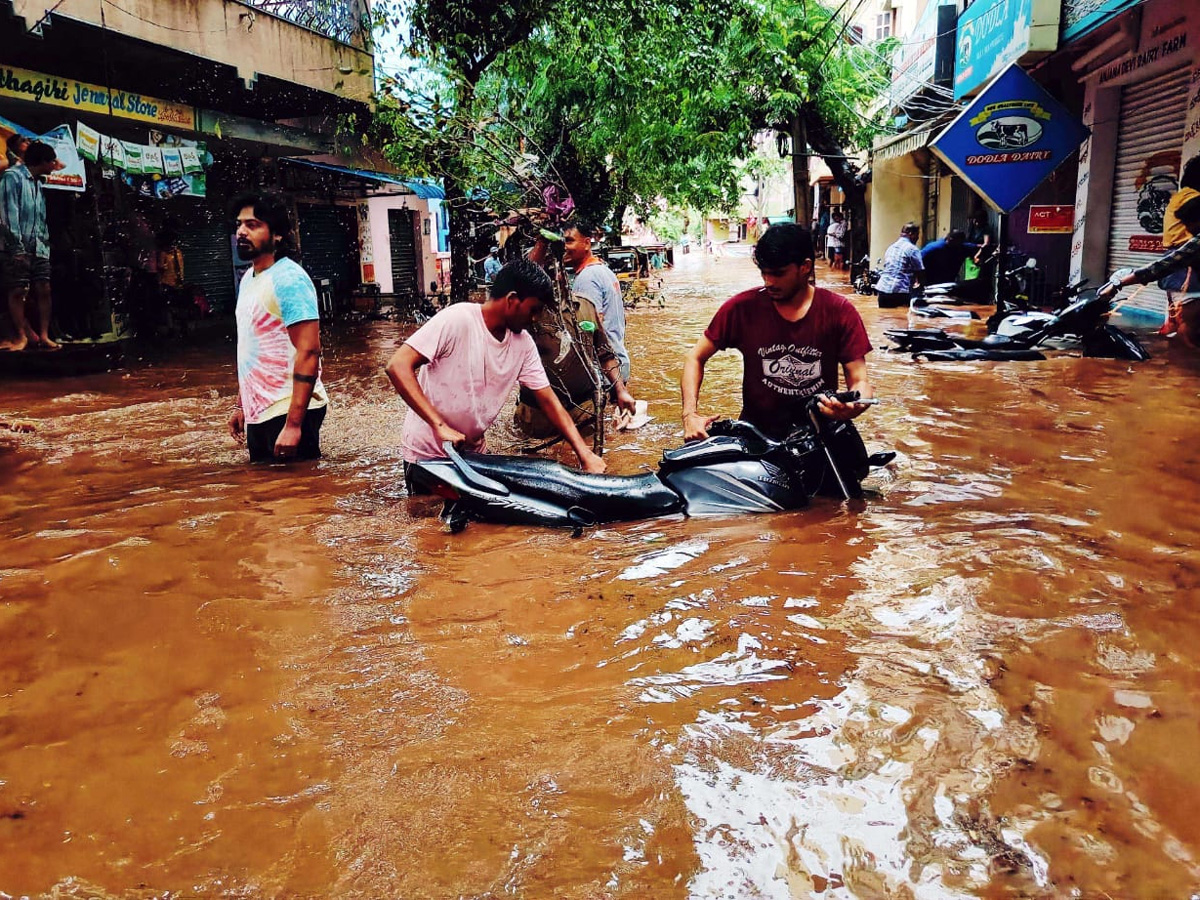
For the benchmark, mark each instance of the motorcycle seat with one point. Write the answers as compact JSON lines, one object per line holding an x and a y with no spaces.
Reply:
{"x":608,"y":498}
{"x":978,"y":353}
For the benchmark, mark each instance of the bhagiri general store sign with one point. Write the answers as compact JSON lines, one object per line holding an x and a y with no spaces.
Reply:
{"x":36,"y":87}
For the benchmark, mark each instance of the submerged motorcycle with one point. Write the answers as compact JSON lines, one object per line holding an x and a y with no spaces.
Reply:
{"x":735,"y":471}
{"x":1081,"y":324}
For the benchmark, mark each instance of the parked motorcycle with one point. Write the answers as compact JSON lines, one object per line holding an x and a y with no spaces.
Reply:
{"x":863,"y":278}
{"x":736,"y":470}
{"x":1082,"y":324}
{"x":1015,"y":288}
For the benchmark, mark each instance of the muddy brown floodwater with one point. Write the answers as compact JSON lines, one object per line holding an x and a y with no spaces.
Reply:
{"x":218,"y":681}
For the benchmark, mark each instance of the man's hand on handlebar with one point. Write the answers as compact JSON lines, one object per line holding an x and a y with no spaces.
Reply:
{"x":592,"y":463}
{"x":695,"y":426}
{"x":843,"y":406}
{"x":445,"y":433}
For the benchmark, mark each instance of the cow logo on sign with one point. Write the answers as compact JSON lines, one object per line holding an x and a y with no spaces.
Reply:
{"x":1009,"y":133}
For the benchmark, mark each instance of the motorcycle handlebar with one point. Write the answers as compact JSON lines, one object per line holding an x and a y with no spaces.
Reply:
{"x":848,"y":397}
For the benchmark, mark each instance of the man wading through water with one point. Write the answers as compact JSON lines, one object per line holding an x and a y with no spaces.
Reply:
{"x":792,"y":336}
{"x":281,"y":399}
{"x":459,"y":368}
{"x":597,"y":297}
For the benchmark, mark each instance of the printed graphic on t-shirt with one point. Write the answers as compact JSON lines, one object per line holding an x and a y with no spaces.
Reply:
{"x":790,"y":370}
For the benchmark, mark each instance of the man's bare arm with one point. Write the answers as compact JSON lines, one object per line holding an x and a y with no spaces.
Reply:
{"x":402,"y":371}
{"x":856,"y":380}
{"x":695,"y":425}
{"x":554,"y":411}
{"x":306,"y":338}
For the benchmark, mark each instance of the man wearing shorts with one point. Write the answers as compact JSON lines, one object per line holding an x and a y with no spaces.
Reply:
{"x":25,"y":246}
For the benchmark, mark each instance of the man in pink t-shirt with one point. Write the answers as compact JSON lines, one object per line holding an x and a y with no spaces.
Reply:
{"x":456,"y":372}
{"x":792,"y":335}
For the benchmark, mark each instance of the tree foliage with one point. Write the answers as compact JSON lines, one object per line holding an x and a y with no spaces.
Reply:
{"x":627,"y":103}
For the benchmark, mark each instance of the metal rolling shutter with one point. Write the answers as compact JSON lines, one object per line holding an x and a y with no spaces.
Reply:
{"x":329,"y":243}
{"x":206,"y":242}
{"x":1152,"y":118}
{"x":404,"y":252}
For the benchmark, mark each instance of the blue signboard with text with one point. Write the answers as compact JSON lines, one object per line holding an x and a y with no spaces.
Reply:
{"x":1011,"y":137}
{"x":990,"y":36}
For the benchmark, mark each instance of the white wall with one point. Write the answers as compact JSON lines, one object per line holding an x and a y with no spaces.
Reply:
{"x":381,"y":243}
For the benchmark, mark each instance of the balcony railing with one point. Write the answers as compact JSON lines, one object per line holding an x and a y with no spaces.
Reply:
{"x":347,"y":21}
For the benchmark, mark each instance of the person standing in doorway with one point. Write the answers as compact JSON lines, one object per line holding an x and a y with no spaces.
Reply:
{"x":282,"y":401}
{"x":25,"y":240}
{"x":902,"y":267}
{"x":835,"y":240}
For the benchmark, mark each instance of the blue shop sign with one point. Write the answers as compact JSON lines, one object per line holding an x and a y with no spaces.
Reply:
{"x":1011,"y":137}
{"x":990,"y":36}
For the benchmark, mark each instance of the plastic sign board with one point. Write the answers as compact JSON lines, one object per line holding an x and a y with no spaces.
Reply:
{"x":990,"y":36}
{"x":1011,"y":137}
{"x":1051,"y":219}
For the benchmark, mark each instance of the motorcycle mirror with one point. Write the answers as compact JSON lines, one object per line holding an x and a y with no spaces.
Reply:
{"x":1031,"y":263}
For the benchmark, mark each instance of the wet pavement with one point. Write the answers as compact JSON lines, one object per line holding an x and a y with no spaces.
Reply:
{"x":284,"y":682}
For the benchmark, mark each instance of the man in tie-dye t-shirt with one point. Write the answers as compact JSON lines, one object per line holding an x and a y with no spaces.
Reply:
{"x":281,"y":400}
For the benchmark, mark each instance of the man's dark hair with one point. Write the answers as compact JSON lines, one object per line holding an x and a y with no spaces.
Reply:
{"x":272,"y":209}
{"x":782,"y":245}
{"x":585,"y":227}
{"x":956,"y":234}
{"x":38,"y":153}
{"x":1191,"y":174}
{"x":910,"y":228}
{"x":1189,"y":212}
{"x":526,"y":278}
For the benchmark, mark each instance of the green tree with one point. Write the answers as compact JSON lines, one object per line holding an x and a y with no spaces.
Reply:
{"x":430,"y":120}
{"x":805,"y":77}
{"x":629,"y":105}
{"x":626,"y":104}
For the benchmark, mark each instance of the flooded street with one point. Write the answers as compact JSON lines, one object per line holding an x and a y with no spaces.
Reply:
{"x":220,"y":681}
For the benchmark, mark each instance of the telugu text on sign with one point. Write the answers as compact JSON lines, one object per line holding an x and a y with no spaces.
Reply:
{"x":35,"y":87}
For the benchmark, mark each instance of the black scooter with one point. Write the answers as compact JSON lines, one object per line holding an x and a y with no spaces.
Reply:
{"x":1081,"y":324}
{"x":735,"y":471}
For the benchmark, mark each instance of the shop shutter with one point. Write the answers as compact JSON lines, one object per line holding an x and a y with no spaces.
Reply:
{"x":404,"y":252}
{"x":329,"y":244}
{"x":1148,"y":144}
{"x":206,"y":242}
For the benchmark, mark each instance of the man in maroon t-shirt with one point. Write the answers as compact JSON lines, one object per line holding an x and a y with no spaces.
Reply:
{"x":792,"y":337}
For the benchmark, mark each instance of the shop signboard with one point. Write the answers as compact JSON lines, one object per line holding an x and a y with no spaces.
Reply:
{"x":37,"y":87}
{"x":990,"y":36}
{"x":1051,"y":219}
{"x":1011,"y":137}
{"x":927,"y":56}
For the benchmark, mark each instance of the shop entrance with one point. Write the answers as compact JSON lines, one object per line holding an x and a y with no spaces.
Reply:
{"x":402,"y":241}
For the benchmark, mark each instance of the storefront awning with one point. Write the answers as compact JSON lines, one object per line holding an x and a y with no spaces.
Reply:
{"x":904,"y":144}
{"x":915,"y":139}
{"x":424,"y":190}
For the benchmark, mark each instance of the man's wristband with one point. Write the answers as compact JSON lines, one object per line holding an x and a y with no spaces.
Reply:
{"x":304,"y":379}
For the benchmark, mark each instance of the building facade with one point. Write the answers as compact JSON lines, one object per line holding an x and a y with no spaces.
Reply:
{"x":1128,"y":69}
{"x":164,"y":110}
